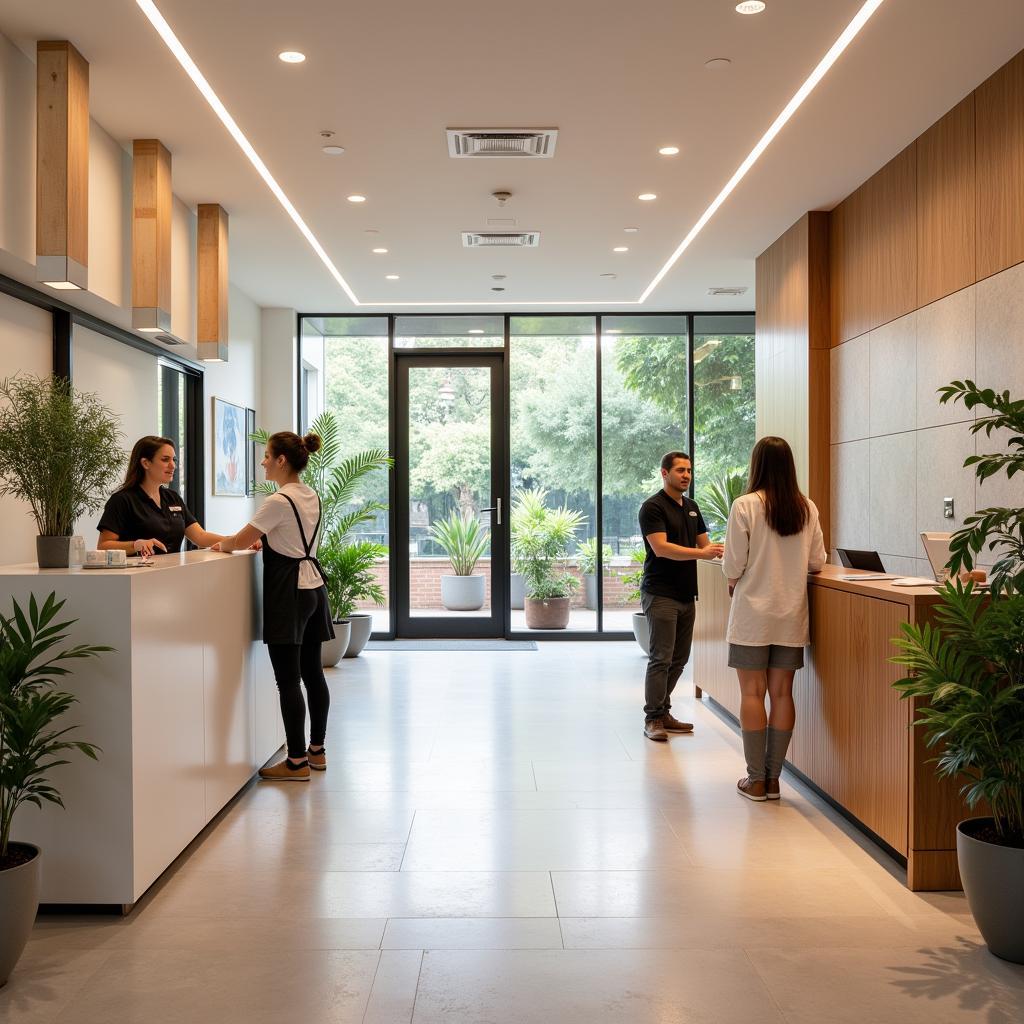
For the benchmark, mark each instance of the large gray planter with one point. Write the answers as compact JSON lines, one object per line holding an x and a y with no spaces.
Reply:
{"x":993,"y":879}
{"x":19,"y":901}
{"x":518,"y":595}
{"x":642,"y":632}
{"x":590,"y":591}
{"x":53,"y":552}
{"x":362,"y":627}
{"x":332,"y":651}
{"x":463,"y":593}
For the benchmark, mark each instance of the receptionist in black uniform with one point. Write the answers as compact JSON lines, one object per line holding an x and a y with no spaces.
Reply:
{"x":144,"y":516}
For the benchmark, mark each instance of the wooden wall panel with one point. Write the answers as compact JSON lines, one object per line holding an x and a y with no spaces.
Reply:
{"x":711,"y":672}
{"x":999,"y":140}
{"x":946,"y":199}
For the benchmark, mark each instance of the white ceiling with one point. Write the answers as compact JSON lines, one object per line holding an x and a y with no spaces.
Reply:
{"x":617,"y":79}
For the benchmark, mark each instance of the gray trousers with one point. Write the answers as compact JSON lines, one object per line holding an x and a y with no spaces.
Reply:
{"x":670,"y":624}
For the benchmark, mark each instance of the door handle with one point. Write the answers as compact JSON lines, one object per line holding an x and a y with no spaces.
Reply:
{"x":495,"y":508}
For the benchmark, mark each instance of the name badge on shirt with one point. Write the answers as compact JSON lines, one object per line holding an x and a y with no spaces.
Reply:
{"x":694,"y":514}
{"x":177,"y":508}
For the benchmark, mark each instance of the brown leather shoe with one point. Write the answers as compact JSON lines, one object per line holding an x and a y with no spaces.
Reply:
{"x":674,"y":725}
{"x":285,"y":771}
{"x":317,"y":759}
{"x":654,"y":729}
{"x":771,"y":789}
{"x":752,"y":789}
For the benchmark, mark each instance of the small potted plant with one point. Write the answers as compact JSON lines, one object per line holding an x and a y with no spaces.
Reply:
{"x":967,"y":682}
{"x":633,"y":579}
{"x":586,"y":561}
{"x":539,"y":548}
{"x":349,"y":568}
{"x":464,"y":542}
{"x":60,"y":450}
{"x":31,"y":745}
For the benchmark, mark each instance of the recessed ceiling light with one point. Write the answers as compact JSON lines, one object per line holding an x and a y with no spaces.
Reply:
{"x":668,"y":150}
{"x":621,"y":248}
{"x":357,"y":198}
{"x":717,"y":63}
{"x":835,"y":51}
{"x":497,"y":289}
{"x":390,"y":277}
{"x":647,"y":197}
{"x":631,"y":231}
{"x":334,"y":150}
{"x":371,"y":231}
{"x":474,"y":330}
{"x":751,"y":7}
{"x":380,"y":252}
{"x":498,"y":277}
{"x":609,"y":277}
{"x":291,"y":57}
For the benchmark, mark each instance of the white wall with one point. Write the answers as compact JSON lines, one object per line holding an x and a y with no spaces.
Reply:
{"x":17,"y":152}
{"x":26,"y":344}
{"x":277,"y":409}
{"x":236,"y":381}
{"x":110,"y":218}
{"x":183,"y":272}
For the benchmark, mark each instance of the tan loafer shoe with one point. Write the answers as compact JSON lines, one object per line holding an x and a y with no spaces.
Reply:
{"x":317,"y":759}
{"x":655,"y":730}
{"x":285,"y":771}
{"x":674,"y":725}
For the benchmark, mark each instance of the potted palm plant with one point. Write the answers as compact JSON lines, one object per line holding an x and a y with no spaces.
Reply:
{"x":31,"y":744}
{"x":967,"y":682}
{"x":526,"y":503}
{"x":539,"y":548}
{"x":641,"y":631}
{"x":349,"y":568}
{"x":715,"y":499}
{"x":335,"y":479}
{"x":464,"y":542}
{"x":586,"y":561}
{"x":59,"y":451}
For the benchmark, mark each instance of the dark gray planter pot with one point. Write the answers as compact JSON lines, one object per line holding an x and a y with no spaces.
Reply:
{"x":463,"y":593}
{"x":362,"y":627}
{"x":993,"y":879}
{"x":53,"y":552}
{"x":332,"y":651}
{"x":19,"y":901}
{"x":641,"y":632}
{"x":518,"y":594}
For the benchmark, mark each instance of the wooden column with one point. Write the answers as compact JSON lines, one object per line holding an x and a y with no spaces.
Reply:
{"x":151,"y":236}
{"x":212,"y":285}
{"x":62,"y":165}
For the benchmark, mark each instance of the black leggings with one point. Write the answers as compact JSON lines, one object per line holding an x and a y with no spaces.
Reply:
{"x":293,"y":662}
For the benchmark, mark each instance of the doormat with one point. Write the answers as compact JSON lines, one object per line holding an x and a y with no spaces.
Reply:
{"x":452,"y":645}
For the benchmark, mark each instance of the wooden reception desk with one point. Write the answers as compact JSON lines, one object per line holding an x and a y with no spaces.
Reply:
{"x":184,"y":711}
{"x":852,"y":739}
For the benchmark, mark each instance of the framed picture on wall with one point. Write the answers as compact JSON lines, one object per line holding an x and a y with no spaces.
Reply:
{"x":229,"y":449}
{"x":250,"y":452}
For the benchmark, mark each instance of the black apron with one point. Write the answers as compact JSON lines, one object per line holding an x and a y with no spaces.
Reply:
{"x":282,"y":621}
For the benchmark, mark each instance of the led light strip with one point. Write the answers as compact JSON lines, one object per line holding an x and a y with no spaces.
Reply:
{"x":172,"y":42}
{"x":156,"y":19}
{"x":849,"y":33}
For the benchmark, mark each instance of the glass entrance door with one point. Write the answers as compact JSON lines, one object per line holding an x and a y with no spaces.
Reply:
{"x":451,"y":510}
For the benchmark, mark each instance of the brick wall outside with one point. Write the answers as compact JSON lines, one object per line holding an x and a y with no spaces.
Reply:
{"x":426,"y":576}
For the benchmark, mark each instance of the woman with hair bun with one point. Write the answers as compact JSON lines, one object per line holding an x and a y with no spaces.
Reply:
{"x":296,"y":616}
{"x":144,"y":515}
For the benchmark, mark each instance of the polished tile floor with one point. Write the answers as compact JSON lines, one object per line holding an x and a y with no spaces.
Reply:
{"x":495,"y":841}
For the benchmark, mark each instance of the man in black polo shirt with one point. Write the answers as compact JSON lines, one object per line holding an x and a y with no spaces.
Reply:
{"x":674,"y":537}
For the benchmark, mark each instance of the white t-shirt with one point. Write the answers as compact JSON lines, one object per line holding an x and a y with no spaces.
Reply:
{"x":276,"y":519}
{"x":769,"y":604}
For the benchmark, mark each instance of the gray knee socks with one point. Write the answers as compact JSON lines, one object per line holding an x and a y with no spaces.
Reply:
{"x":776,"y":745}
{"x":754,"y":752}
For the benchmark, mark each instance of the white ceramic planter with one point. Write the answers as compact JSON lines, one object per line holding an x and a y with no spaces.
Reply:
{"x":332,"y":651}
{"x":463,"y":593}
{"x":362,"y":627}
{"x":19,"y":901}
{"x":641,"y":632}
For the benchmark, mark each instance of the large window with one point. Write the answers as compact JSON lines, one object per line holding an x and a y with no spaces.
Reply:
{"x":171,"y":400}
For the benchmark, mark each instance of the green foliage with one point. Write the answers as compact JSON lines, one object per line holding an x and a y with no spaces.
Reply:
{"x":636,"y":577}
{"x":463,"y":540}
{"x":29,"y":706}
{"x":1000,"y":529}
{"x":586,"y":557}
{"x":540,"y":539}
{"x":60,"y":450}
{"x":335,"y":478}
{"x":715,"y":499}
{"x":968,"y":672}
{"x":452,"y":459}
{"x":348,"y":569}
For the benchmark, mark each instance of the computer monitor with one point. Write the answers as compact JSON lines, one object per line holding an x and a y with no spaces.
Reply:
{"x":936,"y":547}
{"x":853,"y":559}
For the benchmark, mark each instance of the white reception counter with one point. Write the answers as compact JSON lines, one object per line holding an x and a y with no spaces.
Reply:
{"x":184,"y":709}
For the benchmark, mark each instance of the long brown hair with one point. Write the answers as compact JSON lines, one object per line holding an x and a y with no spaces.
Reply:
{"x":145,"y":448}
{"x":773,"y":473}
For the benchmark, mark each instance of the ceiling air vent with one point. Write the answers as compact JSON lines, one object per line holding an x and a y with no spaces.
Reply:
{"x":491,"y":142}
{"x":488,"y":239}
{"x":731,"y":290}
{"x":168,"y":339}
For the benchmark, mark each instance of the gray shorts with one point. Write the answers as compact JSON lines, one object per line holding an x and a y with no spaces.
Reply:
{"x":765,"y":656}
